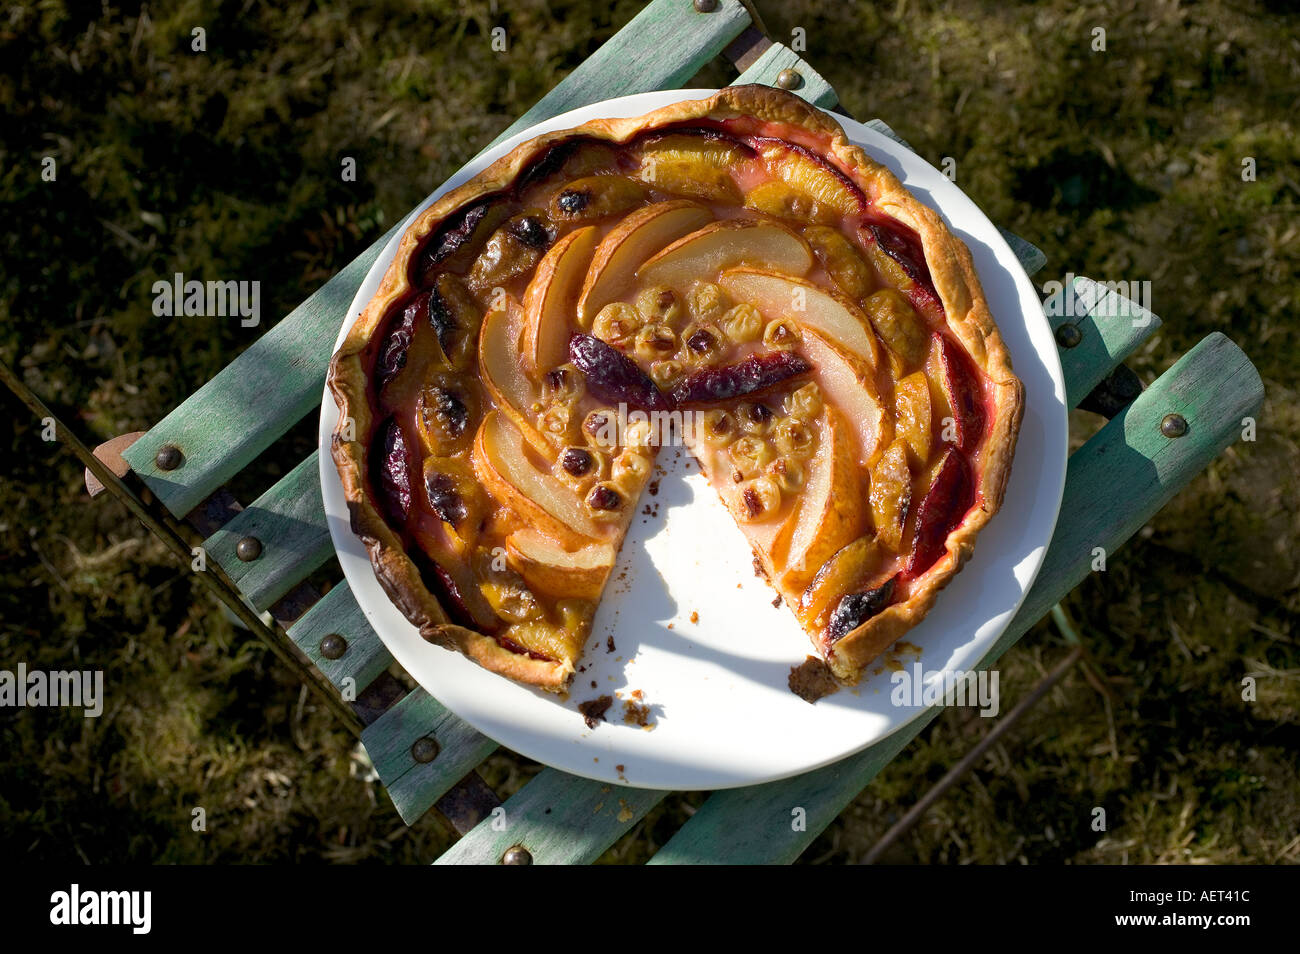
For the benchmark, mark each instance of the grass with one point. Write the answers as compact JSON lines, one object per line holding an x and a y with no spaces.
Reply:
{"x":1122,"y":164}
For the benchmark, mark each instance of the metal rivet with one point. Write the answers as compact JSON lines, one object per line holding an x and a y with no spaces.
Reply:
{"x":705,"y":6}
{"x":169,"y":457}
{"x":248,"y":549}
{"x":517,"y":855}
{"x":424,"y":750}
{"x":1068,"y":336}
{"x":333,"y":646}
{"x":788,"y":79}
{"x":1173,"y":425}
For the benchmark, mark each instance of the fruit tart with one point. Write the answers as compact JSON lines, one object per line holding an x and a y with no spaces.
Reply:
{"x":729,"y":273}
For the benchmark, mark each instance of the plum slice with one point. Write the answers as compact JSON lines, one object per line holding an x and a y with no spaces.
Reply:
{"x":454,"y":234}
{"x":905,"y":249}
{"x":961,"y":385}
{"x":941,"y":509}
{"x":392,"y":472}
{"x":392,"y":353}
{"x":612,"y":376}
{"x":854,"y":609}
{"x":757,"y":373}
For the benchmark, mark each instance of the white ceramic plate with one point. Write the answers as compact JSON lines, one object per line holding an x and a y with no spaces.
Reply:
{"x":723,"y":715}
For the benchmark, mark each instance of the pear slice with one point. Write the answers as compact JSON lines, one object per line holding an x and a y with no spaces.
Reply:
{"x":501,"y":462}
{"x":725,"y":244}
{"x":549,"y":568}
{"x":850,"y":387}
{"x":499,"y":366}
{"x":641,"y":234}
{"x":827,"y":517}
{"x":549,"y":301}
{"x":809,"y":305}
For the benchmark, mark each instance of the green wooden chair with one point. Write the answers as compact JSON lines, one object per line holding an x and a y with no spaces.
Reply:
{"x":259,"y":556}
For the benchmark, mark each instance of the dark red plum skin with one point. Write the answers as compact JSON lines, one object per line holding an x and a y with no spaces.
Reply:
{"x":392,"y":354}
{"x":943,"y":507}
{"x":614,"y":377}
{"x":457,"y":229}
{"x":964,"y":393}
{"x":854,"y":609}
{"x":392,"y":472}
{"x":753,"y":375}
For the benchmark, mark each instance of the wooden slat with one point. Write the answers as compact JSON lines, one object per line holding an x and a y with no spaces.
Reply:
{"x":1111,"y":328}
{"x":661,"y":48}
{"x":1214,"y":386}
{"x":253,"y":400}
{"x":415,"y":786}
{"x":289,"y":520}
{"x":337,"y":612}
{"x":813,"y":87}
{"x":272,"y":385}
{"x":559,"y":818}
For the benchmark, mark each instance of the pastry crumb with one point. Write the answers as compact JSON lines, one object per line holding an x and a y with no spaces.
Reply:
{"x":695,"y":616}
{"x":812,"y":680}
{"x":593,"y":710}
{"x":777,"y":601}
{"x":636,"y":713}
{"x":609,"y":644}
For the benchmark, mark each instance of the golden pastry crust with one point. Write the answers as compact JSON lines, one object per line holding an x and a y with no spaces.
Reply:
{"x":954,"y":280}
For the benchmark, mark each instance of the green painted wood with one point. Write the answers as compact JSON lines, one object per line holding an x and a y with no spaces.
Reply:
{"x":415,"y":786}
{"x":1214,"y":386}
{"x":1031,"y":257}
{"x":279,"y":378}
{"x":1111,"y":326}
{"x":337,"y":612}
{"x":289,"y":520}
{"x":561,"y":819}
{"x":226,"y":423}
{"x":812,"y":86}
{"x":661,"y":48}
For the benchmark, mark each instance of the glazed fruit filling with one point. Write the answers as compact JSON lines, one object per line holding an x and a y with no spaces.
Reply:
{"x":721,"y":277}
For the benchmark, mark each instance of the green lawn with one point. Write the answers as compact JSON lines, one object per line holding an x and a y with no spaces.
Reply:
{"x":1123,"y":164}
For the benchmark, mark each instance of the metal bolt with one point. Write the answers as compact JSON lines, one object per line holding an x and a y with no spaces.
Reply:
{"x":705,"y":6}
{"x":1068,"y":336}
{"x":333,"y":646}
{"x":788,"y":79}
{"x":517,"y":855}
{"x":248,"y":549}
{"x":425,"y":749}
{"x":1173,"y":425}
{"x":169,"y":457}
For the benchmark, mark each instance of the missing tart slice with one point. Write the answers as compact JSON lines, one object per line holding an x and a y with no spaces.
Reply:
{"x":816,"y":337}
